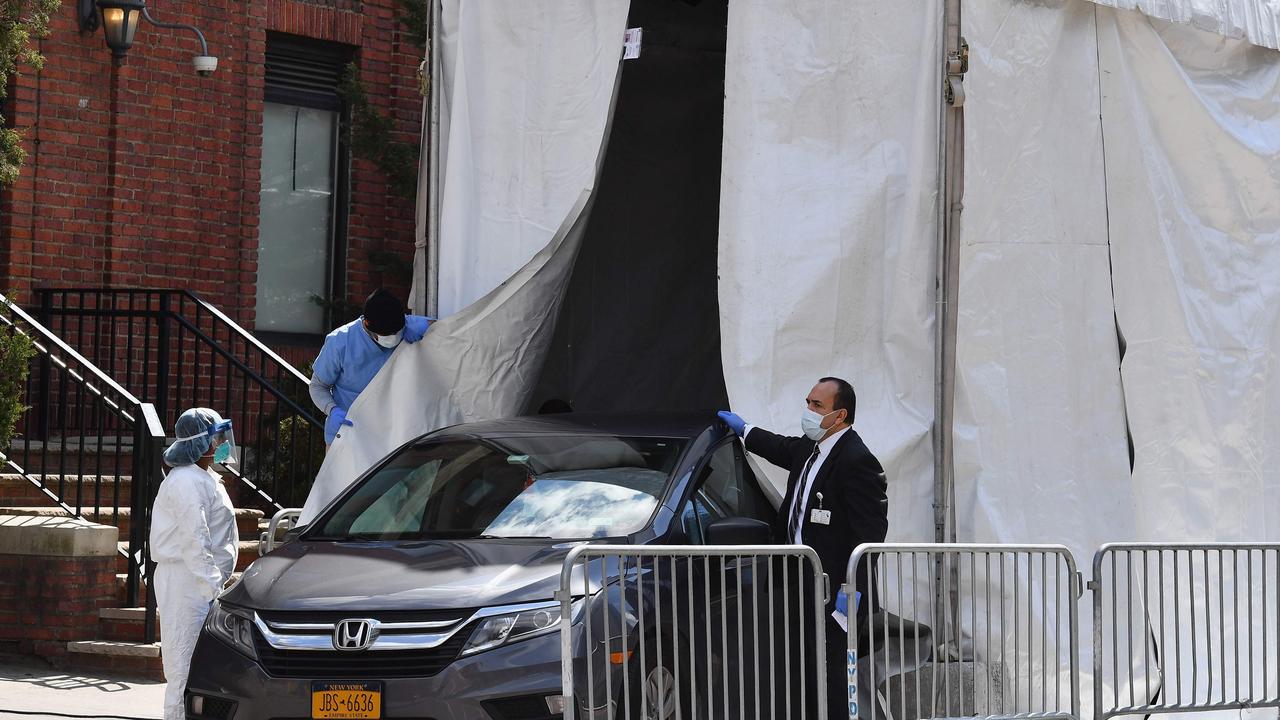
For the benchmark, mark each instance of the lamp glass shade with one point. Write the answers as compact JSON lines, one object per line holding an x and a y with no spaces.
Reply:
{"x":119,"y":23}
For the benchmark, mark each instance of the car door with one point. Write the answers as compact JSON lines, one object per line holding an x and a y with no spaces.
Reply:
{"x":761,"y":619}
{"x":725,"y":616}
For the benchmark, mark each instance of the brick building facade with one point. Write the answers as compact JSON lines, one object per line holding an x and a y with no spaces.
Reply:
{"x":140,"y":173}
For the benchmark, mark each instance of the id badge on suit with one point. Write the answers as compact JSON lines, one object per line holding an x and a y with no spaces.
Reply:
{"x":820,"y":517}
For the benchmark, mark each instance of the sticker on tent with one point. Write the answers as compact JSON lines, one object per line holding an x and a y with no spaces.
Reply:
{"x":631,"y":43}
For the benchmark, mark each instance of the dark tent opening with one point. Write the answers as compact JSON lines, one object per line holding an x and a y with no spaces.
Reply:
{"x":639,"y":328}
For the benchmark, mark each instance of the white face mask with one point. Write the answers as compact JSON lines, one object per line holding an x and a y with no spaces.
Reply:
{"x":390,"y":341}
{"x":811,"y":424}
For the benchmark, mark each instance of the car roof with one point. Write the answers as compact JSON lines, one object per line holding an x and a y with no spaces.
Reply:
{"x":684,"y":425}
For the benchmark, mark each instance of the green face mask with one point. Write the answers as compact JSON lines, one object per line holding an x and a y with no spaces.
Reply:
{"x":222,"y":453}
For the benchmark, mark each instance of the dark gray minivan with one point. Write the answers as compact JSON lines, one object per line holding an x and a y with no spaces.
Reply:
{"x":427,"y":589}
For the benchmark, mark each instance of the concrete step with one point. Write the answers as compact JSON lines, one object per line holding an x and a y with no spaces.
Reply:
{"x":248,"y":553}
{"x":128,"y":623}
{"x":77,"y":444}
{"x":246,"y":519}
{"x":124,"y":624}
{"x":125,"y":658}
{"x":114,"y":648}
{"x":17,"y":489}
{"x":71,"y":455}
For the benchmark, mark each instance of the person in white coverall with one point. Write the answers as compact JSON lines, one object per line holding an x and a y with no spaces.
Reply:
{"x":193,"y":542}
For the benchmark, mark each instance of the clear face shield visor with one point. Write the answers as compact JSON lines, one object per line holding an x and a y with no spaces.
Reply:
{"x":222,"y":442}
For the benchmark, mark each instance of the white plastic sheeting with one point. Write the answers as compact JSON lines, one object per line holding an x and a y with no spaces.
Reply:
{"x":1193,"y":173}
{"x":477,"y":364}
{"x":1041,"y":451}
{"x":1040,"y":446}
{"x":1193,"y":170}
{"x":1168,"y":227}
{"x":828,"y":223}
{"x":521,"y":86}
{"x":1258,"y":21}
{"x":532,"y":84}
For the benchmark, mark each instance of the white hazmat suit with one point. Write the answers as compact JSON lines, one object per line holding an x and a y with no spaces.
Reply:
{"x":194,"y":545}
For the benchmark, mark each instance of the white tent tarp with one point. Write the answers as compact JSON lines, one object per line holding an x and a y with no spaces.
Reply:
{"x":1257,"y":21}
{"x":828,"y":224}
{"x":1192,"y":123}
{"x":473,"y":365}
{"x":483,"y":361}
{"x":1040,"y":445}
{"x":1121,"y":182}
{"x":522,"y":90}
{"x":1193,"y":177}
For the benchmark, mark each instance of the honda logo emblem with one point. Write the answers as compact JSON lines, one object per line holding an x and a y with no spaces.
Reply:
{"x":354,"y":634}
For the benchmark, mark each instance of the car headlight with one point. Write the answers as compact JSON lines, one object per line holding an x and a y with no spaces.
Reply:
{"x":232,"y":625}
{"x":498,"y":630}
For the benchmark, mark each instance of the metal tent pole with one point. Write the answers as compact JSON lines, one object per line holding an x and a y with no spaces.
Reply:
{"x":950,"y":194}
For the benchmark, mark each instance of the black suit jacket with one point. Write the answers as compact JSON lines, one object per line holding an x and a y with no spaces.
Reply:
{"x":853,"y":488}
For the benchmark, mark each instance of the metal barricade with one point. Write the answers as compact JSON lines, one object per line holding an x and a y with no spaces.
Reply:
{"x":1184,"y":627}
{"x":961,"y":630}
{"x":690,"y":632}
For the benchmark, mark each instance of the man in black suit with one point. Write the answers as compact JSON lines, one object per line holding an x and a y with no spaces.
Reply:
{"x":837,"y":499}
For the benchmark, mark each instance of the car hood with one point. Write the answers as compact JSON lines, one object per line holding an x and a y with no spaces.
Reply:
{"x":424,"y":575}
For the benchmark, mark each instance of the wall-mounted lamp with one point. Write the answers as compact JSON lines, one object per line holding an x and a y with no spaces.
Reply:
{"x":119,"y":20}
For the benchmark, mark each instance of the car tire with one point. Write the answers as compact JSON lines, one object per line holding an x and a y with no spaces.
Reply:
{"x":656,"y":693}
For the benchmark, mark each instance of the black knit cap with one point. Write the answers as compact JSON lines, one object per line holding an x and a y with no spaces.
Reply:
{"x":384,"y":312}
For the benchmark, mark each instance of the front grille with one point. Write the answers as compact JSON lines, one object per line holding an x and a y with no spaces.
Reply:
{"x":386,"y":616}
{"x":528,"y":707}
{"x":366,"y":664}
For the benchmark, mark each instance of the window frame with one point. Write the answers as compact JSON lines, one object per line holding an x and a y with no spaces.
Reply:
{"x":695,"y":494}
{"x":340,"y":208}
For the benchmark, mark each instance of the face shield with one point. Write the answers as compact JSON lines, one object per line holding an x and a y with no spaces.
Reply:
{"x":224,"y":443}
{"x":216,"y":439}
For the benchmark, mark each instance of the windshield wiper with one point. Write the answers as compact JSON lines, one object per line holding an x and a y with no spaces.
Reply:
{"x":510,"y":537}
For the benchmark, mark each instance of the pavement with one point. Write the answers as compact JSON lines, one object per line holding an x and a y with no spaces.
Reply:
{"x":29,"y":690}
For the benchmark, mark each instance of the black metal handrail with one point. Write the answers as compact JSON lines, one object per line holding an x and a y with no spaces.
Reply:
{"x":73,"y":404}
{"x":177,"y":351}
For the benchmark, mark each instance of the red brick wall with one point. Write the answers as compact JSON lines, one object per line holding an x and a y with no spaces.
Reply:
{"x":152,"y":179}
{"x":47,"y":601}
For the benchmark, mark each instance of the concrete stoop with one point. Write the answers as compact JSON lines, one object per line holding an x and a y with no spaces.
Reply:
{"x":62,"y":597}
{"x":136,"y":659}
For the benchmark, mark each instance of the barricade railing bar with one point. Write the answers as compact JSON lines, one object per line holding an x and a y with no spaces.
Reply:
{"x":1183,"y":627}
{"x":690,"y":632}
{"x":955,"y":630}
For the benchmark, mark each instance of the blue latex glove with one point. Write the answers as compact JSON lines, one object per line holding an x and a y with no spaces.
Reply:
{"x":735,"y":423}
{"x":415,"y":326}
{"x":337,"y":418}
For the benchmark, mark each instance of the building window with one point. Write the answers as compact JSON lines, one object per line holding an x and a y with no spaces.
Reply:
{"x":302,"y":222}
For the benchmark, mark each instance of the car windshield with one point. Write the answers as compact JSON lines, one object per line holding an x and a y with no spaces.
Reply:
{"x":561,"y":487}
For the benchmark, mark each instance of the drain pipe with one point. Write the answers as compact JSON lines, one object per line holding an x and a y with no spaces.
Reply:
{"x":434,"y":71}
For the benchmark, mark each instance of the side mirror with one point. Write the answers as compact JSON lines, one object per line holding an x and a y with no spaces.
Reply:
{"x":739,"y":531}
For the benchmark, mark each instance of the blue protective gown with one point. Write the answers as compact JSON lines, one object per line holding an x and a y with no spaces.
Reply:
{"x":347,"y":363}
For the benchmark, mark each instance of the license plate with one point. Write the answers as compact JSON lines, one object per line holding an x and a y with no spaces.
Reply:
{"x":346,"y":700}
